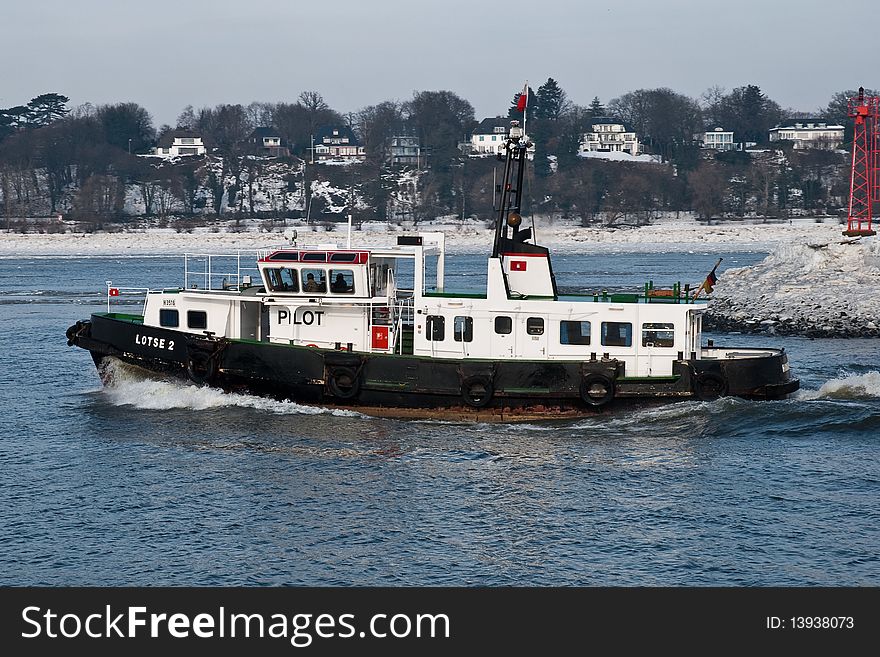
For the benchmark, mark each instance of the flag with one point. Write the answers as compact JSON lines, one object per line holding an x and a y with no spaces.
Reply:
{"x":523,"y":100}
{"x":517,"y":265}
{"x":113,"y":291}
{"x":709,"y":284}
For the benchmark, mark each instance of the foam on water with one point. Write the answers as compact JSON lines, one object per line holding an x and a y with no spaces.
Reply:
{"x":854,"y":386}
{"x":130,"y":386}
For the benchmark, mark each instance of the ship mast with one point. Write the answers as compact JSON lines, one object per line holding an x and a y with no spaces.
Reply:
{"x":507,"y":227}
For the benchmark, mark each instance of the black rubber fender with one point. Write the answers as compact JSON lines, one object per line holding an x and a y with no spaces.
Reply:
{"x":709,"y":386}
{"x":201,"y":367}
{"x":597,"y":389}
{"x":343,"y":382}
{"x":72,"y":332}
{"x":477,"y":390}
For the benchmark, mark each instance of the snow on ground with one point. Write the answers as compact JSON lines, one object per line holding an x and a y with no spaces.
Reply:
{"x":818,"y":289}
{"x":461,"y":237}
{"x":621,"y":156}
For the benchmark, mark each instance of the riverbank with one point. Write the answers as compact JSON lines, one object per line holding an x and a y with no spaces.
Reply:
{"x":460,"y":238}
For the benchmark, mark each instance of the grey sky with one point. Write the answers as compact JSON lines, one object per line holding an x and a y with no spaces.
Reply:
{"x":166,"y":54}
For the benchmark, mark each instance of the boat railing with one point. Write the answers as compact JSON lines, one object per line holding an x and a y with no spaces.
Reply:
{"x":123,"y":295}
{"x":218,"y":271}
{"x":403,"y":315}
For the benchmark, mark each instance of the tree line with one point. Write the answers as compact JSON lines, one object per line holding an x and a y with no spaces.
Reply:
{"x":49,"y":152}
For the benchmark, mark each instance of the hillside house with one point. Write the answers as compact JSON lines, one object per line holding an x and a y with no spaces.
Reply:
{"x":809,"y":133}
{"x":610,"y":135}
{"x":405,"y":150}
{"x":268,"y":141}
{"x":337,"y":143}
{"x":489,"y":137}
{"x":175,"y":143}
{"x":718,"y":139}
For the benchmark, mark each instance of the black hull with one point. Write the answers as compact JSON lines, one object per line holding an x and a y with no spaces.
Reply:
{"x":410,"y":386}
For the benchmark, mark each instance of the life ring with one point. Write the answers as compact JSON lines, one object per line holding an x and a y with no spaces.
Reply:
{"x":201,"y":367}
{"x":477,"y":390}
{"x":343,"y":382}
{"x":312,"y":345}
{"x":709,"y":386}
{"x":597,"y":389}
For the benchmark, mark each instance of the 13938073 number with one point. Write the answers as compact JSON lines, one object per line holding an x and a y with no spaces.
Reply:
{"x":822,"y":622}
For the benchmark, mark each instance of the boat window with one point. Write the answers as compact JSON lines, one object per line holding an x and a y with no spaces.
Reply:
{"x":571,"y":332}
{"x":503,"y":325}
{"x":658,"y":335}
{"x":282,"y":279}
{"x":617,"y":334}
{"x":463,"y":329}
{"x":436,"y":329}
{"x":168,"y":317}
{"x":535,"y":326}
{"x":342,"y":281}
{"x":196,"y":319}
{"x":314,"y":280}
{"x":344,"y":257}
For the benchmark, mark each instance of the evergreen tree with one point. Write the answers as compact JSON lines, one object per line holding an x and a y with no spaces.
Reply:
{"x":47,"y":108}
{"x":596,"y":108}
{"x":126,"y":125}
{"x":552,"y":101}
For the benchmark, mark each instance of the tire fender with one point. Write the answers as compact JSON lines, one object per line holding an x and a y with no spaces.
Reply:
{"x":597,"y":389}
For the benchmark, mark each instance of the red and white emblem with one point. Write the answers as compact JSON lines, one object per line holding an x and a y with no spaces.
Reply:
{"x":517,"y":265}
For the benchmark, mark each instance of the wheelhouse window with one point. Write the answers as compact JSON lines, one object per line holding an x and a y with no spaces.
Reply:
{"x":463,"y":329}
{"x":169,"y":317}
{"x":503,"y":325}
{"x":571,"y":332}
{"x":535,"y":326}
{"x":282,"y":279}
{"x":314,"y":280}
{"x":342,"y":281}
{"x":196,"y":319}
{"x":617,"y":334}
{"x":658,"y":335}
{"x":436,"y":328}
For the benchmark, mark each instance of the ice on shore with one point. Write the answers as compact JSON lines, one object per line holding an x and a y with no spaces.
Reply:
{"x":817,"y":289}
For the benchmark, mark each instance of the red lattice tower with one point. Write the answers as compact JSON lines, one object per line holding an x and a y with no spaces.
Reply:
{"x":864,"y":188}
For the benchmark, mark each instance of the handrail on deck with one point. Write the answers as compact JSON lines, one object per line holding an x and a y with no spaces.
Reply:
{"x":207,"y":274}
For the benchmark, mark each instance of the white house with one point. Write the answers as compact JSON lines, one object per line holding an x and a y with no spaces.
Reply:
{"x":180,"y":142}
{"x":809,"y":133}
{"x":489,"y":137}
{"x":718,"y":139}
{"x":611,"y":136}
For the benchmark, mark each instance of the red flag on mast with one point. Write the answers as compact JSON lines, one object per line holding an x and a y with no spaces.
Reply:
{"x":523,"y":99}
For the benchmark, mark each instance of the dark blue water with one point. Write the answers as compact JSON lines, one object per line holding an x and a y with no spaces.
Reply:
{"x":157,"y":483}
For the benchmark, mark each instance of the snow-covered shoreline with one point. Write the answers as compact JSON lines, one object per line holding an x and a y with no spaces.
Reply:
{"x":817,"y":290}
{"x":460,"y":238}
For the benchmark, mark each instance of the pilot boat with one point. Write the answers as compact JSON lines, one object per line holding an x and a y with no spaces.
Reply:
{"x":375,"y":329}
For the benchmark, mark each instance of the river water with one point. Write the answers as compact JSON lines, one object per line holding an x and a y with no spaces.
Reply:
{"x":153,"y":483}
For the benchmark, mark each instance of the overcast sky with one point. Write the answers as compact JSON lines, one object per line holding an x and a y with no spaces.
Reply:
{"x":166,"y":54}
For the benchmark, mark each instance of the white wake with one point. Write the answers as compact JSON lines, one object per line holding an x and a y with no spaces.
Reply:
{"x":855,"y":386}
{"x":126,"y":385}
